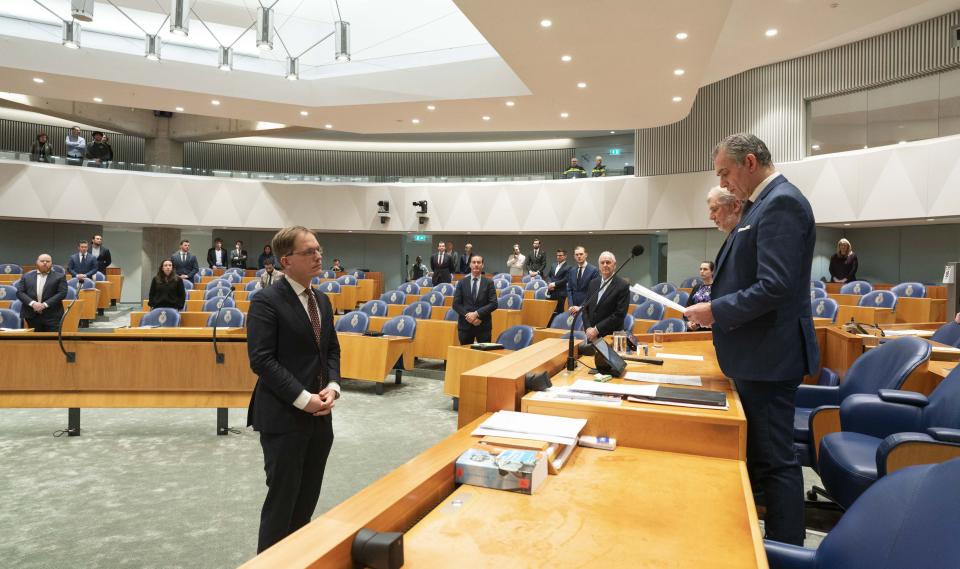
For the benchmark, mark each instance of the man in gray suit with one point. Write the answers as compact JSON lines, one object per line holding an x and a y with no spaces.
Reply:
{"x":185,"y":263}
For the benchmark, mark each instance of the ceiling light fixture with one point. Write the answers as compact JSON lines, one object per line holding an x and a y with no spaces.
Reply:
{"x":225,"y":59}
{"x":582,"y":85}
{"x":846,"y":225}
{"x":815,"y":147}
{"x":930,"y":219}
{"x":509,"y":103}
{"x":97,"y":100}
{"x":564,"y":115}
{"x":293,"y":68}
{"x":151,"y":47}
{"x":341,"y":40}
{"x":682,"y":36}
{"x":415,"y":121}
{"x":613,"y":132}
{"x":485,"y":117}
{"x":431,"y":108}
{"x":771,"y":32}
{"x":82,"y":10}
{"x":265,"y":28}
{"x":328,"y":126}
{"x":545,"y":23}
{"x":678,"y":72}
{"x":677,"y":99}
{"x":215,"y":103}
{"x":180,"y":17}
{"x":566,"y":58}
{"x":179,"y":109}
{"x":304,"y":113}
{"x":38,"y":80}
{"x":71,"y":34}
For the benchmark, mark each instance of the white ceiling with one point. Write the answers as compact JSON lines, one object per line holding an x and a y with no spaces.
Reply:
{"x":466,"y":57}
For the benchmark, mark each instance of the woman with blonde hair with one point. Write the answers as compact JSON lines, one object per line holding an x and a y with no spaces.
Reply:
{"x":843,"y":264}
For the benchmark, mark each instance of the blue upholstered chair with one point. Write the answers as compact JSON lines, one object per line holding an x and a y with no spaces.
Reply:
{"x":205,"y":272}
{"x":232,"y":276}
{"x":446,"y":289}
{"x":316,"y":281}
{"x":87,"y":284}
{"x":828,"y":377}
{"x":885,"y":367}
{"x":510,"y":302}
{"x":161,"y":317}
{"x":910,"y":290}
{"x":354,"y":321}
{"x":259,"y":273}
{"x":10,"y":269}
{"x":563,"y":321}
{"x":9,"y":318}
{"x":451,"y":315}
{"x":347,"y":280}
{"x":235,"y":271}
{"x":856,"y":287}
{"x":628,"y":322}
{"x":252,"y":285}
{"x":668,"y":325}
{"x":434,"y":298}
{"x":357,"y":274}
{"x":578,"y":335}
{"x":525,"y":279}
{"x":98,"y":276}
{"x":187,"y":284}
{"x":503,"y":276}
{"x":500,"y":284}
{"x":229,"y":318}
{"x":636,"y":298}
{"x":664,"y":289}
{"x":818,"y":284}
{"x":425,"y":281}
{"x":516,"y":337}
{"x":393,"y":297}
{"x":328,"y":274}
{"x":824,"y":308}
{"x":402,"y":325}
{"x":876,"y":427}
{"x":420,"y":309}
{"x":648,"y":310}
{"x":542,"y":294}
{"x":220,"y":282}
{"x":879,"y":299}
{"x":816,"y":293}
{"x":691,"y":282}
{"x":8,"y":292}
{"x":253,"y":293}
{"x":374,"y":308}
{"x":535,"y":284}
{"x":332,"y":287}
{"x":681,"y":297}
{"x":907,"y":519}
{"x":71,"y":293}
{"x":196,"y":279}
{"x":948,"y":334}
{"x":58,"y":269}
{"x":211,"y":305}
{"x":409,"y":288}
{"x":16,"y":306}
{"x":217,"y":292}
{"x":513,"y":289}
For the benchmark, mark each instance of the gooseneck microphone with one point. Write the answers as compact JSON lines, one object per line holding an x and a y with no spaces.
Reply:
{"x":636,"y":251}
{"x":71,"y":356}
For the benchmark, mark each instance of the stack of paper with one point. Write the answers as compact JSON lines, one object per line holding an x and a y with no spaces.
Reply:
{"x":691,"y":380}
{"x":531,"y":426}
{"x":620,"y":389}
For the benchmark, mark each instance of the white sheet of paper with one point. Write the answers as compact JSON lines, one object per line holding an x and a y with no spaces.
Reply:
{"x":647,"y":293}
{"x":532,"y":426}
{"x":918,"y":333}
{"x":689,"y":357}
{"x":692,"y":380}
{"x":614,"y":388}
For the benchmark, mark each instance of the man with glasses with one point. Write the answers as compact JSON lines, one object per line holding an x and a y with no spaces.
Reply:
{"x":294,"y":351}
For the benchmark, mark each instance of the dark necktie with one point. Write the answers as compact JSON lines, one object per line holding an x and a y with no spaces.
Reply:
{"x":475,"y":289}
{"x":746,"y":208}
{"x":440,"y":262}
{"x":314,"y":315}
{"x":183,"y":257}
{"x":579,"y":274}
{"x":81,"y":259}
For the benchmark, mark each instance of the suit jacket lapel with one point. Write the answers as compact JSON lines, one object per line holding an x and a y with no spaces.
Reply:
{"x":744,"y":222}
{"x":296,"y":306}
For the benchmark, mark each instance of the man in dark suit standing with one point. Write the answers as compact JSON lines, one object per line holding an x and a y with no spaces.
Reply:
{"x":536,"y":260}
{"x":217,"y":255}
{"x":608,"y":298}
{"x":475,"y":299}
{"x":556,"y":279}
{"x":293,"y":349}
{"x":238,"y":256}
{"x":184,"y":263}
{"x":82,"y":264}
{"x":41,"y":294}
{"x":579,"y":277}
{"x":761,"y":320}
{"x":464,"y":266}
{"x":101,"y":253}
{"x":442,"y":265}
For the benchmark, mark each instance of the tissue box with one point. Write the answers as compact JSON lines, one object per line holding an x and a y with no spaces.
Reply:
{"x":514,"y":470}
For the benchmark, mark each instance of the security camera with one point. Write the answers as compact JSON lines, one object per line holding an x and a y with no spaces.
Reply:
{"x":383,"y":206}
{"x":422,"y":204}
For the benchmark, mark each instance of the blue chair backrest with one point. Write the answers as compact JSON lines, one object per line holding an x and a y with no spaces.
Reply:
{"x":8,"y":292}
{"x":516,"y":337}
{"x":434,"y":298}
{"x":879,"y":299}
{"x":500,"y":284}
{"x":816,"y":293}
{"x":98,"y":276}
{"x":628,"y":322}
{"x":71,"y":293}
{"x":948,"y":334}
{"x":374,"y":308}
{"x":503,"y":276}
{"x":905,"y":519}
{"x":649,"y":310}
{"x":856,"y":287}
{"x":446,"y":289}
{"x":211,"y":305}
{"x":333,"y":287}
{"x":911,"y":290}
{"x":16,"y":306}
{"x":541,"y":294}
{"x":668,"y":325}
{"x":691,"y":282}
{"x":59,"y":269}
{"x":885,"y":367}
{"x":252,"y":285}
{"x":393,"y":297}
{"x":206,"y":272}
{"x":260,"y":272}
{"x":828,"y":377}
{"x":220,"y":282}
{"x":681,"y":298}
{"x":354,"y":321}
{"x":563,"y":321}
{"x":229,"y":318}
{"x":535,"y":284}
{"x":577,"y":335}
{"x":87,"y":284}
{"x":9,"y":318}
{"x":510,"y":302}
{"x":316,"y":281}
{"x":944,"y":407}
{"x":329,"y":274}
{"x":253,"y":293}
{"x":818,"y":284}
{"x":358,"y":275}
{"x":196,"y":278}
{"x":10,"y":269}
{"x":513,"y":289}
{"x":409,"y":288}
{"x":419,"y":309}
{"x":187,"y":285}
{"x":217,"y":292}
{"x":665,"y":289}
{"x":162,"y":317}
{"x":402,"y":325}
{"x":636,"y":298}
{"x":347,"y":280}
{"x":451,"y":315}
{"x":234,"y":278}
{"x":425,"y":281}
{"x":824,"y":308}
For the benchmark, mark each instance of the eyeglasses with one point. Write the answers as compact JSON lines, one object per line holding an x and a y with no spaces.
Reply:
{"x":308,"y":252}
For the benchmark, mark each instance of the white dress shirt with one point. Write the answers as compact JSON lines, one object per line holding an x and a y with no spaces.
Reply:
{"x":762,"y":186}
{"x":304,"y":397}
{"x":41,"y":283}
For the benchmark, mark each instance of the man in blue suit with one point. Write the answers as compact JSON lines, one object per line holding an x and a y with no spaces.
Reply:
{"x":475,"y":300}
{"x":579,"y":277}
{"x":82,"y":264}
{"x":762,"y":326}
{"x":185,"y":263}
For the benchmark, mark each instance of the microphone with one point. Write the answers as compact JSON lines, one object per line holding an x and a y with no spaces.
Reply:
{"x":71,"y":356}
{"x":220,"y":357}
{"x":636,"y":251}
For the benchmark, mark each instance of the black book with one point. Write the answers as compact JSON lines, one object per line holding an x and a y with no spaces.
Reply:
{"x":695,"y":396}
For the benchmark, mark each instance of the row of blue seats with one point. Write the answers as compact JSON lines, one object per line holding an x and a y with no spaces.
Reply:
{"x":907,"y":289}
{"x":227,"y":317}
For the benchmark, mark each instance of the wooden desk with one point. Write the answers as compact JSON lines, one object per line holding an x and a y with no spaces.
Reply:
{"x":434,"y":338}
{"x":845,"y":299}
{"x":461,"y":359}
{"x":197,"y":305}
{"x":503,"y":319}
{"x":116,"y":286}
{"x":370,"y":358}
{"x":864,"y":314}
{"x":921,"y":310}
{"x":366,"y":290}
{"x":537,"y":313}
{"x":91,"y":298}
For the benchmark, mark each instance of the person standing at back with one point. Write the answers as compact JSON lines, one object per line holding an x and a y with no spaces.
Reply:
{"x":537,"y":260}
{"x":760,"y":315}
{"x":184,"y":262}
{"x":579,"y":277}
{"x":41,"y":294}
{"x":293,"y":349}
{"x":166,"y":290}
{"x":442,"y":265}
{"x":475,"y":300}
{"x":82,"y":264}
{"x":101,"y":253}
{"x":238,"y":256}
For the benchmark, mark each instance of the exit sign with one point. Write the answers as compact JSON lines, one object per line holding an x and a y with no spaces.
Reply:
{"x":419,"y":237}
{"x":614,"y":152}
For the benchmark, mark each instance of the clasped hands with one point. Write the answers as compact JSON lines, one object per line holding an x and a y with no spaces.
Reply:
{"x":321,"y":403}
{"x":473,"y":318}
{"x":37,"y":306}
{"x":591,"y":332}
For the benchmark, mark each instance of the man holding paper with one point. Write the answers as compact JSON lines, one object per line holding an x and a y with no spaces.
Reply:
{"x":762,"y":325}
{"x":607,"y":301}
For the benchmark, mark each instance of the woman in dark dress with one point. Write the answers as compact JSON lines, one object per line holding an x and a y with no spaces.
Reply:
{"x":843,"y":264}
{"x":701,"y":292}
{"x":166,"y":289}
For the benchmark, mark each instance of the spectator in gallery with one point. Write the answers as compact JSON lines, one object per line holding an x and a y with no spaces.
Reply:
{"x":337,"y":267}
{"x":101,"y":253}
{"x":701,"y":292}
{"x":217,"y":255}
{"x":106,"y":142}
{"x":575,"y":170}
{"x":464,"y":266}
{"x":238,"y":256}
{"x":166,"y":288}
{"x":516,"y":261}
{"x":41,"y":150}
{"x":76,"y":147}
{"x":98,"y":152}
{"x":267,"y":255}
{"x":599,"y":170}
{"x":843,"y":263}
{"x":270,"y":275}
{"x":455,"y":255}
{"x":418,"y":270}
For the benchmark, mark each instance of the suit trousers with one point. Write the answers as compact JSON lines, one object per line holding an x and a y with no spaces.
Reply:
{"x":479,"y":334}
{"x":44,"y":325}
{"x":558,"y":309}
{"x":294,"y":464}
{"x":771,"y":460}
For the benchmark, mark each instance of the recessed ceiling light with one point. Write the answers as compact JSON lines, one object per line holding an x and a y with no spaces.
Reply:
{"x":415,"y":121}
{"x":677,"y":99}
{"x":566,"y":58}
{"x":37,"y":80}
{"x":930,"y":219}
{"x":846,"y":225}
{"x":214,"y":102}
{"x":815,"y":147}
{"x":304,"y":113}
{"x":902,"y":142}
{"x":682,"y":36}
{"x":485,"y":117}
{"x":509,"y":103}
{"x":678,"y":72}
{"x":328,"y":125}
{"x":179,"y":109}
{"x":545,"y":23}
{"x":771,"y":32}
{"x":582,"y":85}
{"x":564,"y":115}
{"x":431,"y":108}
{"x":97,"y":100}
{"x":613,"y":132}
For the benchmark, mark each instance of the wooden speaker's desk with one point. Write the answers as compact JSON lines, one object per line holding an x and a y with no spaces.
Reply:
{"x":461,"y":359}
{"x":537,"y":313}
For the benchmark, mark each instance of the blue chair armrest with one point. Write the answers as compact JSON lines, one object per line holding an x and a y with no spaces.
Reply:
{"x":905,"y":397}
{"x":786,"y":556}
{"x":890,"y":443}
{"x":811,"y":396}
{"x":871,"y":415}
{"x":945,"y":435}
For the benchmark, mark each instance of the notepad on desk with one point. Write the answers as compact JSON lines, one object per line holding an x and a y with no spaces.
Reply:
{"x":687,"y":357}
{"x":691,"y":380}
{"x":532,"y":426}
{"x":681,"y":397}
